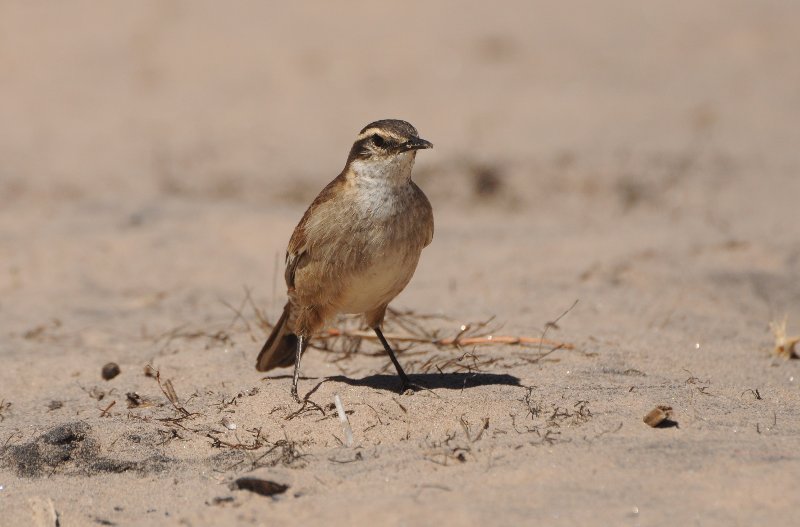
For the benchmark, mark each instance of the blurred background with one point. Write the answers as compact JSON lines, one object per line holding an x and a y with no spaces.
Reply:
{"x":171,"y":144}
{"x":244,"y":99}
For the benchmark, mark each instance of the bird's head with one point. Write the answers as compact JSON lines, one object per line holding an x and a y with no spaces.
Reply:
{"x":386,"y":148}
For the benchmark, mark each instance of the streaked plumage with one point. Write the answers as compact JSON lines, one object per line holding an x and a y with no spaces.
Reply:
{"x":358,"y":243}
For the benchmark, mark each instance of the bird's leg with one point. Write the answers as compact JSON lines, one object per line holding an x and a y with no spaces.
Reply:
{"x":301,"y":344}
{"x":403,"y":377}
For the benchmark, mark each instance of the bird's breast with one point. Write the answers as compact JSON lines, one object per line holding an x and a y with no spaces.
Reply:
{"x":390,"y":236}
{"x":364,"y":246}
{"x":378,"y":282}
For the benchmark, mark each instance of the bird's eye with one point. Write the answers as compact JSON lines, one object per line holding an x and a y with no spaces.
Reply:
{"x":377,"y":140}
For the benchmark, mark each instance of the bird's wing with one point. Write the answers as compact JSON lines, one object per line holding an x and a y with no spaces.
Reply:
{"x":427,"y":213}
{"x":299,"y":251}
{"x":293,"y":260}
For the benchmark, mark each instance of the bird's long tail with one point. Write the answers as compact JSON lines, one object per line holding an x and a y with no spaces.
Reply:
{"x":280,"y":348}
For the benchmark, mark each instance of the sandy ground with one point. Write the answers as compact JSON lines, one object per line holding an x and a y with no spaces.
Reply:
{"x":640,"y":158}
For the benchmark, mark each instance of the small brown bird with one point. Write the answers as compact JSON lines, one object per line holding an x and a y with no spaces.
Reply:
{"x":357,"y":245}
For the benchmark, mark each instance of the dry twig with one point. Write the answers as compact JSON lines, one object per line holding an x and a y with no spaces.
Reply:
{"x":169,"y":392}
{"x":445,"y":342}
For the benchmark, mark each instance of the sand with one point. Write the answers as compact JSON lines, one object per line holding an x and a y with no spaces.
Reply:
{"x":640,"y":159}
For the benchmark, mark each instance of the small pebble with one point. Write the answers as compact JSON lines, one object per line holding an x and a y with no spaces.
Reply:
{"x":658,"y":415}
{"x":227,"y":423}
{"x":110,"y":370}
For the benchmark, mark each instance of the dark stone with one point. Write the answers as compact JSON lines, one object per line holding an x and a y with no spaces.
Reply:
{"x":263,"y":487}
{"x":110,"y":371}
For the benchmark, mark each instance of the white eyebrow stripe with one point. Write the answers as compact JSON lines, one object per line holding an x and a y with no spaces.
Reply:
{"x":379,"y":131}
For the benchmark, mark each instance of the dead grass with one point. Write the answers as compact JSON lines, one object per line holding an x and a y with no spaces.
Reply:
{"x":785,"y":347}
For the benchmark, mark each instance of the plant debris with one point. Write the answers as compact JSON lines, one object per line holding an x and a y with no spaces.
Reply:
{"x":138,"y":401}
{"x":457,"y":341}
{"x":169,"y":392}
{"x":784,"y":346}
{"x":4,"y":407}
{"x":348,"y":431}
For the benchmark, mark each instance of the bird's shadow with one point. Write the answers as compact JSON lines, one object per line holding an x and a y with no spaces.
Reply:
{"x":430,"y":381}
{"x":667,"y":423}
{"x":425,"y":381}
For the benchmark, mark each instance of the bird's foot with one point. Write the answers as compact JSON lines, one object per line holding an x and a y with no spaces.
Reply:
{"x":296,"y":397}
{"x":407,"y":387}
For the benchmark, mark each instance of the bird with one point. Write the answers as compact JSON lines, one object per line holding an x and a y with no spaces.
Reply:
{"x":356,"y":247}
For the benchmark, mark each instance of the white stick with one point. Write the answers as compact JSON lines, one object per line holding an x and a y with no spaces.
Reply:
{"x":348,"y":432}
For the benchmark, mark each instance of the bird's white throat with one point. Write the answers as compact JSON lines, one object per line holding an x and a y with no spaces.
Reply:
{"x":383,"y":184}
{"x":384,"y":171}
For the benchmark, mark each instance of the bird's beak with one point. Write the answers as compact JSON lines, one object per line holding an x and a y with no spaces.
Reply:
{"x":415,"y":143}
